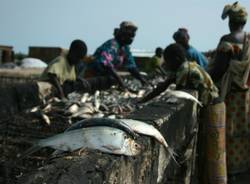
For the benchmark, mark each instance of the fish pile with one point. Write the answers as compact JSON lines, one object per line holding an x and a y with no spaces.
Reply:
{"x":96,"y":129}
{"x":111,"y":103}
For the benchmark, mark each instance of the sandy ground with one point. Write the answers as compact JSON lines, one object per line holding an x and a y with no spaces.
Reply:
{"x":240,"y":178}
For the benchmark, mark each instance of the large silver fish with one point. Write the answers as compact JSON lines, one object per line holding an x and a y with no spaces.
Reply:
{"x":149,"y":130}
{"x":182,"y":94}
{"x":92,"y":122}
{"x":105,"y":139}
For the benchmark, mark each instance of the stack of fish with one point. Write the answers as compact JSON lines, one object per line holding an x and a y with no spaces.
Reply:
{"x":110,"y":103}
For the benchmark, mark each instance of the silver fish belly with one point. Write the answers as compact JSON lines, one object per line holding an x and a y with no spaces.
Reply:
{"x":92,"y":122}
{"x":105,"y":139}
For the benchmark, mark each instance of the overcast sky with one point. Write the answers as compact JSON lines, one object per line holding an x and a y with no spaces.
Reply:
{"x":27,"y":23}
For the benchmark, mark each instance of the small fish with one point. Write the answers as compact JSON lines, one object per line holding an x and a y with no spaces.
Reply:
{"x":184,"y":95}
{"x":45,"y":118}
{"x":97,"y":100}
{"x":84,"y":98}
{"x":149,"y":130}
{"x":86,"y":109}
{"x":105,"y":139}
{"x":73,"y":108}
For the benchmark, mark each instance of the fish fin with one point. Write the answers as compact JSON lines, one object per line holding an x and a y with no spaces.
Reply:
{"x":29,"y":151}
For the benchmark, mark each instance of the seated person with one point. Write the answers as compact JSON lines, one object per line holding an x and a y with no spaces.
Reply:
{"x":154,"y":64}
{"x":182,"y":37}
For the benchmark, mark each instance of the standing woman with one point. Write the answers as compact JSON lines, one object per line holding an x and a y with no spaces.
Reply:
{"x":230,"y":70}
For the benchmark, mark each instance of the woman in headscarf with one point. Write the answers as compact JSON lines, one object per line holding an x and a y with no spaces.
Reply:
{"x":230,"y":70}
{"x":114,"y":54}
{"x":182,"y":37}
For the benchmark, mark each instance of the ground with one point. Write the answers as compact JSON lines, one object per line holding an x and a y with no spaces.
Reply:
{"x":240,"y":178}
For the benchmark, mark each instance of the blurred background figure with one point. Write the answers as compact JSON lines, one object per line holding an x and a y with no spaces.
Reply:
{"x":61,"y":72}
{"x":154,"y":64}
{"x":182,"y":37}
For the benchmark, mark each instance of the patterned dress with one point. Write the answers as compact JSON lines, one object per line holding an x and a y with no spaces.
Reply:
{"x":190,"y":75}
{"x":237,"y":99}
{"x":110,"y":54}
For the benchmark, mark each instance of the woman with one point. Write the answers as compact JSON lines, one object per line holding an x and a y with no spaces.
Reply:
{"x":182,"y":37}
{"x":186,"y":75}
{"x":229,"y":71}
{"x":114,"y":54}
{"x":189,"y":75}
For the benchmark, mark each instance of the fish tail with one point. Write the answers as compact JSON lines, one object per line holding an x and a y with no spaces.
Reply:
{"x":200,"y":104}
{"x":173,"y":155}
{"x":29,"y":152}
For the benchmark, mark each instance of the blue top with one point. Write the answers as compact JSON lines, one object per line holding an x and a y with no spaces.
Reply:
{"x":110,"y":54}
{"x":193,"y":54}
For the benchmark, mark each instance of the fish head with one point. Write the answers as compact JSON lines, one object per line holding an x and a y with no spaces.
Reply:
{"x":132,"y":147}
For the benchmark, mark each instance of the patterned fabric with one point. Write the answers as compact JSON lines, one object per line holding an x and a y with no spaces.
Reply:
{"x":216,"y":144}
{"x":191,"y":75}
{"x":238,"y":131}
{"x":235,"y":12}
{"x":61,"y":68}
{"x":110,"y":54}
{"x":237,"y":98}
{"x":195,"y":55}
{"x":234,"y":48}
{"x":153,"y":64}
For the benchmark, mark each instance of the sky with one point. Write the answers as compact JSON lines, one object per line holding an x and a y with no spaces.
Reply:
{"x":27,"y":23}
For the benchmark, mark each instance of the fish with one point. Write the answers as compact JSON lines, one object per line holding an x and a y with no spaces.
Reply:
{"x":92,"y":122}
{"x":149,"y":130}
{"x":183,"y":95}
{"x":86,"y":109}
{"x":105,"y":139}
{"x":73,"y":109}
{"x":97,"y":100}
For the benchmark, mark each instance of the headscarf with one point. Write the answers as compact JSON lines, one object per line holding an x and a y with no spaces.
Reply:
{"x":181,"y":34}
{"x":128,"y":25}
{"x":235,"y":12}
